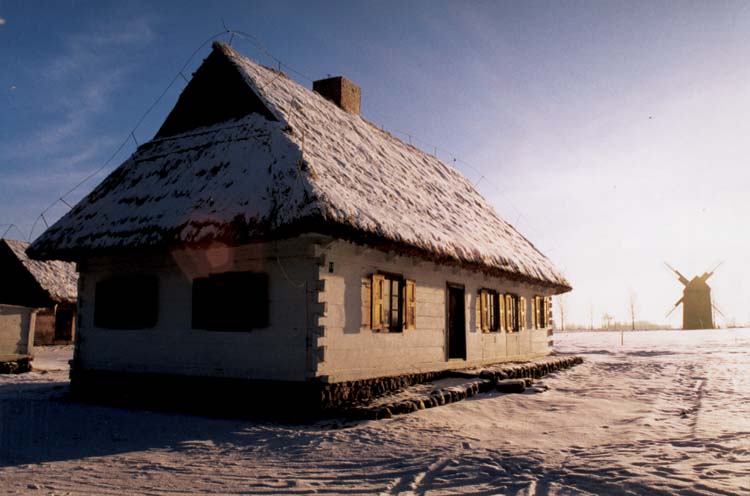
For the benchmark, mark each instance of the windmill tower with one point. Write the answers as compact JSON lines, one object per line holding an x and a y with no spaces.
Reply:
{"x":697,"y":307}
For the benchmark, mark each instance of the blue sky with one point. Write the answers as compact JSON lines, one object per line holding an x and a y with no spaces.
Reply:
{"x":612,"y":134}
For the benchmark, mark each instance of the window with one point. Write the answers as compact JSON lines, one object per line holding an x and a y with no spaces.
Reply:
{"x":126,"y":302}
{"x":491,"y":311}
{"x":393,"y":303}
{"x":230,"y":301}
{"x":541,"y":309}
{"x":511,"y":313}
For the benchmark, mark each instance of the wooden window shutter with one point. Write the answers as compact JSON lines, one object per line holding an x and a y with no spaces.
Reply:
{"x":479,"y":310}
{"x":540,"y":312}
{"x":366,"y":302}
{"x":509,"y":313}
{"x":377,"y":301}
{"x":496,"y":325}
{"x":548,"y":309}
{"x":485,"y":311}
{"x":522,"y":313}
{"x":411,"y":305}
{"x":534,"y":319}
{"x":503,"y":323}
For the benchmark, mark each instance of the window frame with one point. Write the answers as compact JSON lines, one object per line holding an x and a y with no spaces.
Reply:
{"x":511,"y":312}
{"x":405,"y":314}
{"x":541,"y":311}
{"x":490,"y":311}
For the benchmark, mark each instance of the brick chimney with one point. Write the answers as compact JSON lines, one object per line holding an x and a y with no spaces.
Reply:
{"x":340,"y":91}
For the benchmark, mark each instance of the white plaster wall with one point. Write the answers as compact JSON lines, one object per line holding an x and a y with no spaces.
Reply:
{"x":278,"y":352}
{"x":354,"y":352}
{"x":16,"y":330}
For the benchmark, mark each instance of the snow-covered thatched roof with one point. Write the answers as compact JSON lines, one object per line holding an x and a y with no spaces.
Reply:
{"x":248,"y":154}
{"x":58,"y":279}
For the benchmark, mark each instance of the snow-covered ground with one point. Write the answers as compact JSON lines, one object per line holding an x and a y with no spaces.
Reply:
{"x":666,"y":413}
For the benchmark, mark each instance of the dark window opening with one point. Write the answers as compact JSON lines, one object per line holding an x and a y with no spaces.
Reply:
{"x":542,"y":306}
{"x":126,"y":302}
{"x":511,"y":313}
{"x":231,"y":301}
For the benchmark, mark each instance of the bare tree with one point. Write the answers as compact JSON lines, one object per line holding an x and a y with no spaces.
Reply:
{"x":631,"y":306}
{"x":561,"y":307}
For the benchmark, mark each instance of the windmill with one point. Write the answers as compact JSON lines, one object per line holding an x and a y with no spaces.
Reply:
{"x":697,"y":307}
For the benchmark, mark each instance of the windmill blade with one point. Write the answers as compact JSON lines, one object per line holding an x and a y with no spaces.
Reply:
{"x":717,"y":310}
{"x":716,"y":307}
{"x":683,"y":279}
{"x":709,"y":274}
{"x":675,"y":306}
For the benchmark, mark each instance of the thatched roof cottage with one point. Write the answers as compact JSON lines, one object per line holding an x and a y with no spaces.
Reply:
{"x":270,"y":233}
{"x":50,"y":286}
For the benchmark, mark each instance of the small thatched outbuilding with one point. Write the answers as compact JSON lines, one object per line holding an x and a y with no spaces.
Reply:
{"x":270,"y":233}
{"x":50,"y":287}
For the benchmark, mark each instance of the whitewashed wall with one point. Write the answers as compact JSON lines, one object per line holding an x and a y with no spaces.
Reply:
{"x":315,"y":316}
{"x":16,"y":330}
{"x":353,"y":352}
{"x":278,"y":352}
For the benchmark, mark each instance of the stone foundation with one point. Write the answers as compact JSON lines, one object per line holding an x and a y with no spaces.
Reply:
{"x":478,"y":380}
{"x":212,"y":396}
{"x":278,"y":399}
{"x":344,"y":394}
{"x":535,"y":369}
{"x":341,"y":394}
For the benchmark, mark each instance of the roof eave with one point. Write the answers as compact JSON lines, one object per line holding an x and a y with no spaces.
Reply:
{"x":310,"y":225}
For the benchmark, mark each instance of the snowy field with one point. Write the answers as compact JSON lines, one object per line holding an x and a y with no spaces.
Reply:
{"x":666,"y":413}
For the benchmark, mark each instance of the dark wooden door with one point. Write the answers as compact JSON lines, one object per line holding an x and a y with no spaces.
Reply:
{"x":456,"y":323}
{"x":64,"y":324}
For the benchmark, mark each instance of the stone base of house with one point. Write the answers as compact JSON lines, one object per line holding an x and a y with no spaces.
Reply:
{"x":212,"y":396}
{"x":462,"y":384}
{"x":346,"y":394}
{"x":17,"y":364}
{"x":343,"y":394}
{"x":231,"y":396}
{"x":279,"y":399}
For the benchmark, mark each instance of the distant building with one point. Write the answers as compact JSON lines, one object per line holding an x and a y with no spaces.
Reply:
{"x":697,"y":305}
{"x":16,"y":338}
{"x":48,"y":286}
{"x":268,"y":233}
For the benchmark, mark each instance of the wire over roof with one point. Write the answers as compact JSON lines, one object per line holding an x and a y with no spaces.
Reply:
{"x":292,"y":162}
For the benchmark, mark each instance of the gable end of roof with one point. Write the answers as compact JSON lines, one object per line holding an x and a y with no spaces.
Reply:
{"x":216,"y":93}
